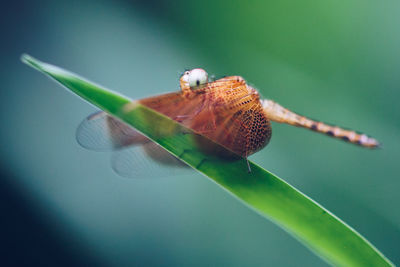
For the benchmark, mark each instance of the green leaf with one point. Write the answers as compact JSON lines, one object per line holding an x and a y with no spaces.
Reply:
{"x":270,"y":196}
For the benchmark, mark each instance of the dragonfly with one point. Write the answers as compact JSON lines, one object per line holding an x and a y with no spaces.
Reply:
{"x":227,"y":111}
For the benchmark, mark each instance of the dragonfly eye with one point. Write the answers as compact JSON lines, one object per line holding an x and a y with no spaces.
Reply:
{"x":197,"y":77}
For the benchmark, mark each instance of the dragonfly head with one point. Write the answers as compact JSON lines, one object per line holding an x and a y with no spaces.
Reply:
{"x":193,"y":79}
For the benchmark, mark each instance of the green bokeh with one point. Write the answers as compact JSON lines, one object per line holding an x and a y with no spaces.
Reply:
{"x":333,"y":61}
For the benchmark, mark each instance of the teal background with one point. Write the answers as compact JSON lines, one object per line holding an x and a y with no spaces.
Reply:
{"x":336,"y":61}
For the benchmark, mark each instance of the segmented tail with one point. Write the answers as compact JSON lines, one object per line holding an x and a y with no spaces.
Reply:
{"x":276,"y":112}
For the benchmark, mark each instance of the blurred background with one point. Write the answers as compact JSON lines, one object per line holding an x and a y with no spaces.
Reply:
{"x":336,"y":61}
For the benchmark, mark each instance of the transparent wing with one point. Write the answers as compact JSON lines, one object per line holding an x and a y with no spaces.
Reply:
{"x":103,"y":132}
{"x":147,"y":160}
{"x":135,"y":155}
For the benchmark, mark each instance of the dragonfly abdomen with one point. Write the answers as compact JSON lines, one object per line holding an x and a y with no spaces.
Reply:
{"x":346,"y":135}
{"x":277,"y":113}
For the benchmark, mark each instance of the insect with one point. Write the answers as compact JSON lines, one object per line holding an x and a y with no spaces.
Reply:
{"x":228,"y":111}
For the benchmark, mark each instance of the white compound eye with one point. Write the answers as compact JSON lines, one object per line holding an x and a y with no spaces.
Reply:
{"x":197,"y":77}
{"x":185,"y":76}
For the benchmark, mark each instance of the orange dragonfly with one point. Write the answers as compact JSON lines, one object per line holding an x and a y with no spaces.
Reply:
{"x":228,"y":111}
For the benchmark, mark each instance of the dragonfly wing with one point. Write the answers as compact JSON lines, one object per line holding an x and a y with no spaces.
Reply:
{"x":148,"y":160}
{"x":176,"y":106}
{"x":103,"y":132}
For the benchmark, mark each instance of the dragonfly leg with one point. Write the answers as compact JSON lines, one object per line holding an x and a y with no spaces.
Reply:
{"x":183,"y":153}
{"x":248,"y":165}
{"x":201,"y":163}
{"x":181,"y":118}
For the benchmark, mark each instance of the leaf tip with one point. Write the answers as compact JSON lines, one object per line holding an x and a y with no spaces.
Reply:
{"x":27,"y":59}
{"x":30,"y":61}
